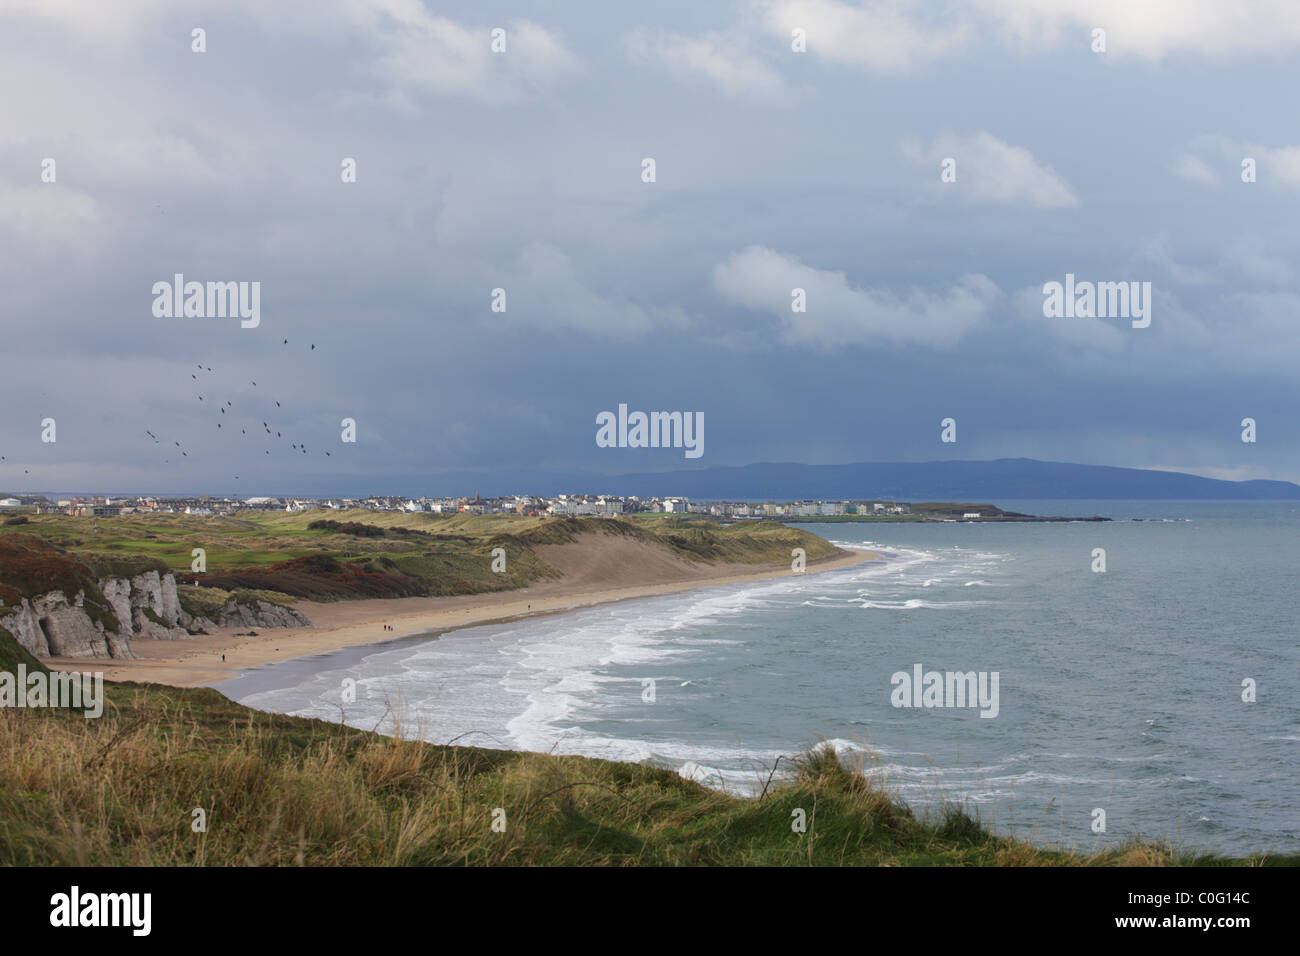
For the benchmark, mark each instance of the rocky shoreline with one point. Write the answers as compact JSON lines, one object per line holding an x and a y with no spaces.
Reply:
{"x":144,"y":606}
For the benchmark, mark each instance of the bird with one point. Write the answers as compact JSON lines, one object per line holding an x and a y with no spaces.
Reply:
{"x":254,"y":384}
{"x":178,"y":444}
{"x":218,"y":424}
{"x":186,"y":454}
{"x":200,"y":398}
{"x":242,"y":432}
{"x":277,"y":434}
{"x":286,"y":341}
{"x":223,"y":411}
{"x":227,"y":403}
{"x":277,"y":404}
{"x":313,"y":346}
{"x":193,"y":376}
{"x":327,"y":454}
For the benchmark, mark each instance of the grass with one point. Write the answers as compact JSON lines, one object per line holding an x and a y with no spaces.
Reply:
{"x":12,"y":654}
{"x":358,"y":553}
{"x":29,"y":567}
{"x":286,"y":791}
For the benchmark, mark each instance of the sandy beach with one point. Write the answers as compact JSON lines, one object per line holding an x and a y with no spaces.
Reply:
{"x":614,"y":570}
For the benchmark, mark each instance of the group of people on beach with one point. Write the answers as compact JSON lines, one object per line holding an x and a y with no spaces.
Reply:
{"x":388,"y":627}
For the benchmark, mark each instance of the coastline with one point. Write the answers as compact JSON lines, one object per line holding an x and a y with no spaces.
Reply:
{"x":199,"y":661}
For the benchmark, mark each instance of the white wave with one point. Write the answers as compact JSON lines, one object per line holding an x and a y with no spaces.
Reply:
{"x":913,"y":604}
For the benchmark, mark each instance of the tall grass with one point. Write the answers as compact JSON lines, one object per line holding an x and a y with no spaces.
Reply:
{"x":285,"y":791}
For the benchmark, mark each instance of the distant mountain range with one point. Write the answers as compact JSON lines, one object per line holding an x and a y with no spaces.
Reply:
{"x":1005,"y":478}
{"x":985,"y":481}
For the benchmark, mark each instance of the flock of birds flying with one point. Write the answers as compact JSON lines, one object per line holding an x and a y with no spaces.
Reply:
{"x":273,"y":435}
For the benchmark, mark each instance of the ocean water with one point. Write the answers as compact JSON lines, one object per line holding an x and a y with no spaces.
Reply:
{"x":1119,"y":690}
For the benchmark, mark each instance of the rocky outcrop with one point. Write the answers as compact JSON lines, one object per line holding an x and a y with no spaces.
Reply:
{"x":147,"y":605}
{"x":52,"y":626}
{"x":156,"y":629}
{"x":118,"y":593}
{"x":260,"y":614}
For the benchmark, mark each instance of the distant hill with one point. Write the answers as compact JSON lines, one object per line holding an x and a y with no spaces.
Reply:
{"x":948,"y":481}
{"x":993,"y":481}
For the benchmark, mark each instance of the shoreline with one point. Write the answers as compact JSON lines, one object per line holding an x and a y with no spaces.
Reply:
{"x":225,"y":655}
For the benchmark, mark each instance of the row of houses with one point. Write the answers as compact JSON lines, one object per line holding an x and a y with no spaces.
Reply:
{"x":569,"y":505}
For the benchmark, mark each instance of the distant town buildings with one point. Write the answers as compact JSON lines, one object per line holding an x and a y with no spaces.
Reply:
{"x":567,"y":505}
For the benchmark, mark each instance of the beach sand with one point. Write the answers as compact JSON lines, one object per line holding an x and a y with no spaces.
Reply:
{"x":599,"y":572}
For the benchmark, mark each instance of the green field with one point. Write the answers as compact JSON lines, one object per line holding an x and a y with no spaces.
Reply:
{"x":329,"y":555}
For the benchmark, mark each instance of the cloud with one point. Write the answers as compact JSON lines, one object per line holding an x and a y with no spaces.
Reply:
{"x":1250,"y":256}
{"x":424,"y":53}
{"x":547,"y":293}
{"x":102,"y":24}
{"x":1084,"y":336}
{"x":1281,"y":163}
{"x":1153,"y":29}
{"x":1194,"y":169}
{"x":889,"y":35}
{"x":1274,"y":164}
{"x":991,"y":171}
{"x":839,"y":315}
{"x":877,"y":36}
{"x":1154,"y":250}
{"x":411,"y":49}
{"x":715,"y":58}
{"x":51,"y":212}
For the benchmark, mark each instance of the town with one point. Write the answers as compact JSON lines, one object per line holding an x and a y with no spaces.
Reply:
{"x":572,"y":505}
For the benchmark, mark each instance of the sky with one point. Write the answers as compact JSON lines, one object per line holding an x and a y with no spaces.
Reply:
{"x":775,"y":169}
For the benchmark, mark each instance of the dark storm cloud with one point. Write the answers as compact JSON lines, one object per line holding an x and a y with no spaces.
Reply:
{"x":522,"y":171}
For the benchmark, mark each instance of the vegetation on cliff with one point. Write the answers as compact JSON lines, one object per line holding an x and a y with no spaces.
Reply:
{"x":287,"y":791}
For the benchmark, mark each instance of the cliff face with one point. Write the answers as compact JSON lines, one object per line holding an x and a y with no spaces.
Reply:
{"x":52,"y":625}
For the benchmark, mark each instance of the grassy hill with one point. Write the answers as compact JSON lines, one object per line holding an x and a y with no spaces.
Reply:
{"x":354,"y":554}
{"x":288,"y":791}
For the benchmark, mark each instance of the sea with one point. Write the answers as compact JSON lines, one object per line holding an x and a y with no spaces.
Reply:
{"x":1157,"y":698}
